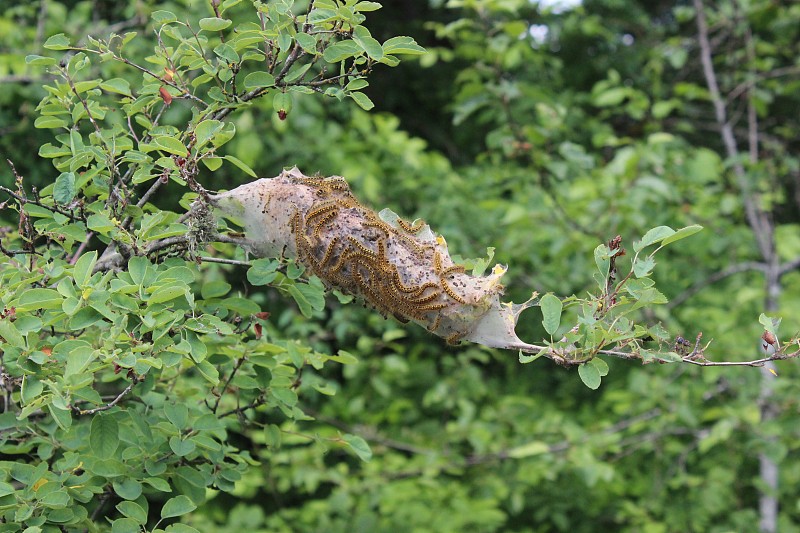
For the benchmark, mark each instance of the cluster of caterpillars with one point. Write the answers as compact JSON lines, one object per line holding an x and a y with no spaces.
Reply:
{"x":389,"y":265}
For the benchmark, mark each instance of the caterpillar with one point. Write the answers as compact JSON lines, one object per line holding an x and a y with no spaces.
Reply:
{"x":329,"y":250}
{"x":383,"y":226}
{"x":432,"y":307}
{"x":327,"y":217}
{"x":436,"y":321}
{"x":451,"y":293}
{"x":454,"y":338}
{"x":398,"y":284}
{"x":411,"y":228}
{"x":455,"y":269}
{"x":425,"y":299}
{"x":364,"y":250}
{"x":322,"y":208}
{"x":425,"y":286}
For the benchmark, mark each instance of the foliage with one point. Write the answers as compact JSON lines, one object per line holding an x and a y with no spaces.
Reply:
{"x":161,"y":392}
{"x":81,"y":338}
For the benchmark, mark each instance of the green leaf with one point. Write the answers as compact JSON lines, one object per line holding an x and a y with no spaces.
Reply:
{"x":127,"y":488}
{"x":551,"y":312}
{"x":57,"y":42}
{"x":158,"y":484}
{"x":78,"y":360}
{"x":643,"y":267}
{"x":104,"y":436}
{"x":602,"y":260}
{"x":133,"y":511}
{"x":287,"y":396}
{"x":340,"y":51}
{"x":356,"y":84}
{"x":318,"y":16}
{"x":40,"y":61}
{"x":653,"y":236}
{"x":117,"y":85}
{"x":367,"y":6}
{"x":611,"y":97}
{"x":11,"y":335}
{"x":362,"y":100}
{"x":64,"y":188}
{"x":682,"y":234}
{"x":369,"y":44}
{"x":163,"y":17}
{"x":177,"y":506}
{"x":589,"y":375}
{"x":171,"y":145}
{"x":214,"y":289}
{"x":139,"y":268}
{"x":168,"y":291}
{"x":181,"y":448}
{"x":39,"y":299}
{"x":359,"y":446}
{"x":770,"y":324}
{"x":180,"y":528}
{"x":62,"y":417}
{"x":84,"y":318}
{"x":226,"y":52}
{"x":241,"y":165}
{"x":530,"y":449}
{"x":125,"y":525}
{"x":50,"y":121}
{"x":402,"y":45}
{"x":212,"y":163}
{"x":600,"y":365}
{"x":308,"y":298}
{"x":208,"y":371}
{"x":256,"y":80}
{"x":83,"y":268}
{"x":6,"y":489}
{"x":282,"y":102}
{"x":206,"y":130}
{"x":272,"y":436}
{"x":525,"y":359}
{"x":307,"y":42}
{"x":214,"y":24}
{"x":178,"y":414}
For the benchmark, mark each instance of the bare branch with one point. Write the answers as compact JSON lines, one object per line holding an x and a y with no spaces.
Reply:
{"x":113,"y":402}
{"x":757,"y":219}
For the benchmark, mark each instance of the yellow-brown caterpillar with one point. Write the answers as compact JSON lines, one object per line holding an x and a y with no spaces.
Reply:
{"x":416,"y":227}
{"x":451,"y":293}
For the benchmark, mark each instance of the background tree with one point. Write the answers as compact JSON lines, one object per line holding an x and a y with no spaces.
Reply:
{"x":549,"y":131}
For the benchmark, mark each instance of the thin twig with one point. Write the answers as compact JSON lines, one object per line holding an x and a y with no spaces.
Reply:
{"x":113,"y":402}
{"x":756,"y":218}
{"x":224,"y":261}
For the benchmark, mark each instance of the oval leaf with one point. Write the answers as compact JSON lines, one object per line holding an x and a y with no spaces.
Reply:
{"x":177,"y":506}
{"x":589,"y":375}
{"x":653,"y":236}
{"x":104,"y":436}
{"x":214,"y":24}
{"x":551,"y":312}
{"x":254,"y":80}
{"x":682,"y":234}
{"x":359,"y":446}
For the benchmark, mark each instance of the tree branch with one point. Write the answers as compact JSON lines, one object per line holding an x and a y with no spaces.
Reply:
{"x":757,"y":219}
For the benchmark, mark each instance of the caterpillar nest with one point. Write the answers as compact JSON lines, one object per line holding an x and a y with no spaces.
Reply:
{"x":399,"y":268}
